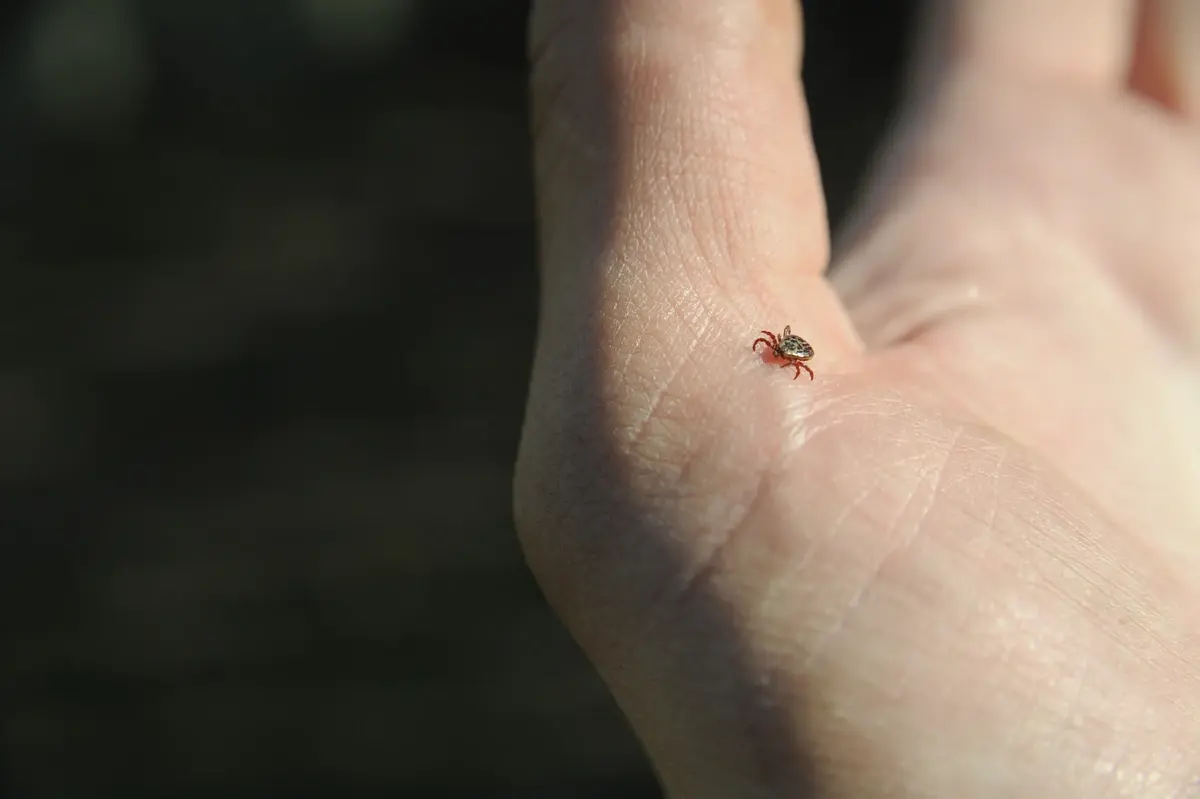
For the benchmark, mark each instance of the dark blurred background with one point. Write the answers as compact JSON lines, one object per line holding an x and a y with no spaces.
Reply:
{"x":255,"y":530}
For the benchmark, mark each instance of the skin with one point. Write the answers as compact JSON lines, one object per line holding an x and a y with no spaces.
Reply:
{"x":962,"y":561}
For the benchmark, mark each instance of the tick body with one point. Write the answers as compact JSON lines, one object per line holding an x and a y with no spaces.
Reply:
{"x":792,"y":349}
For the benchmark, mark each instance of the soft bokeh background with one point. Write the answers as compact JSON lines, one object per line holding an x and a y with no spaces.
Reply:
{"x":255,"y":531}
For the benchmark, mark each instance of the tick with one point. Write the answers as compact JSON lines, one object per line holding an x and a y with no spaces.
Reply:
{"x":792,"y":349}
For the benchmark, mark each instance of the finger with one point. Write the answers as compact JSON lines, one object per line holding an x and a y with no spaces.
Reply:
{"x":1082,"y":41}
{"x":677,"y":191}
{"x":1166,"y":62}
{"x":672,"y":149}
{"x":680,"y":212}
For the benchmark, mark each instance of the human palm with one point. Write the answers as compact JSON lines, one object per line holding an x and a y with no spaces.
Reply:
{"x":1037,"y":266}
{"x":958,"y":562}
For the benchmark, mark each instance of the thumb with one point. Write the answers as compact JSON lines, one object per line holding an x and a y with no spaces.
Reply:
{"x":674,"y":164}
{"x":680,"y":211}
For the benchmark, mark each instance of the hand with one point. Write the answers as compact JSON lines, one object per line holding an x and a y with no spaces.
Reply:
{"x":961,"y":561}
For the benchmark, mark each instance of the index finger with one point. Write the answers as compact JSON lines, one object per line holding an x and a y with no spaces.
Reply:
{"x":676,"y":174}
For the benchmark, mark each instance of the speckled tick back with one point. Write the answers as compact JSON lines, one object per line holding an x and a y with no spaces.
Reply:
{"x":792,"y":349}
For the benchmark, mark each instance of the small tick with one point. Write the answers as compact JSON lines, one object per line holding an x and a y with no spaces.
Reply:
{"x":792,"y":349}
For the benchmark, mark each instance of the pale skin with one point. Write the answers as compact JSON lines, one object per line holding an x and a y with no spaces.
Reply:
{"x":965,"y":559}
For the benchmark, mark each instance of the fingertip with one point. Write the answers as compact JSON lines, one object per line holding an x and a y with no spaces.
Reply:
{"x":686,"y":118}
{"x":1087,"y":42}
{"x":1166,"y":61}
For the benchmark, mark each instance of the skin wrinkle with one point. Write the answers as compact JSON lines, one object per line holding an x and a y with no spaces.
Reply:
{"x":912,"y":308}
{"x":990,"y":524}
{"x":707,"y":564}
{"x":980,"y":558}
{"x":707,"y":560}
{"x":989,"y":536}
{"x":740,"y":243}
{"x":634,"y":49}
{"x":713,"y":211}
{"x":1097,"y":586}
{"x":707,"y":224}
{"x":659,"y":391}
{"x":930,"y":358}
{"x":771,"y":591}
{"x":657,"y":294}
{"x":865,"y":585}
{"x":1124,"y":283}
{"x":714,"y":43}
{"x":808,"y":414}
{"x":686,"y":311}
{"x":1006,"y":455}
{"x":635,"y":57}
{"x":1081,"y":536}
{"x":679,"y":476}
{"x":1119,"y":598}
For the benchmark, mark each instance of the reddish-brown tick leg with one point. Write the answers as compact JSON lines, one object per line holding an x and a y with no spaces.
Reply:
{"x":798,"y":366}
{"x":773,"y":343}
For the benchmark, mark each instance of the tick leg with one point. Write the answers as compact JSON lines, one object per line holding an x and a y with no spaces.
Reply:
{"x":770,"y":341}
{"x":798,"y":366}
